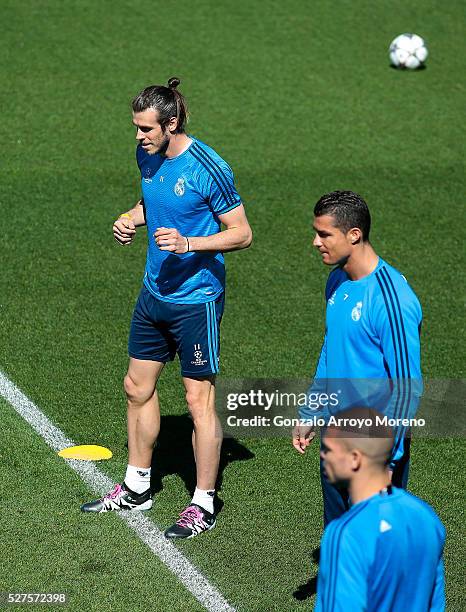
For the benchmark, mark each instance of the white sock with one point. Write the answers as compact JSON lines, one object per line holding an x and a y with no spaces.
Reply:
{"x":137,"y":479}
{"x":205,"y":499}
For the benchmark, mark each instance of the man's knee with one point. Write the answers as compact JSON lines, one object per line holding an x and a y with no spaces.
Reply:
{"x":199,"y":405}
{"x":137,"y":391}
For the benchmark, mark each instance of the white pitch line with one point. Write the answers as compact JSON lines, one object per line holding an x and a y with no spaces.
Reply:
{"x":145,"y":529}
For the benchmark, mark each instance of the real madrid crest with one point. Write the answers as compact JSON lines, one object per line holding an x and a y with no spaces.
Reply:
{"x":356,"y":312}
{"x":179,"y":187}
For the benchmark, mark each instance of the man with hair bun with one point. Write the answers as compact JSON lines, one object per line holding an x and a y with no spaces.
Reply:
{"x":188,"y":192}
{"x":385,"y":553}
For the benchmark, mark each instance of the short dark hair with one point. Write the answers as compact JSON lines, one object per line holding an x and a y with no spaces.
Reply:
{"x":365,"y":429}
{"x":167,"y":101}
{"x":349,"y":210}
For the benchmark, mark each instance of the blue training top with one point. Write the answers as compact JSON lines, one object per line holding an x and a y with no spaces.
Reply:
{"x":383,"y":555}
{"x":372,"y":326}
{"x":371,"y":355}
{"x":186,"y":192}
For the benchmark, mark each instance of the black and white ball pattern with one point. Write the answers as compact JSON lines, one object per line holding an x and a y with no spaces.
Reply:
{"x":408,"y":51}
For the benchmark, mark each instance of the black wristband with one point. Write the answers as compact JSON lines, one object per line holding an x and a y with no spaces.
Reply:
{"x":187,"y":242}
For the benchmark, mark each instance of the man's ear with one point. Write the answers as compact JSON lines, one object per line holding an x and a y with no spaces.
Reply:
{"x":355,"y":235}
{"x":356,"y":459}
{"x":172,"y":124}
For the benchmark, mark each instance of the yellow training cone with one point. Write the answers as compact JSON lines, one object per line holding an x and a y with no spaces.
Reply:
{"x":86,"y":452}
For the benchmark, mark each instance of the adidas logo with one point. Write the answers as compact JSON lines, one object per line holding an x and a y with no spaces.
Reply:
{"x":384,"y":526}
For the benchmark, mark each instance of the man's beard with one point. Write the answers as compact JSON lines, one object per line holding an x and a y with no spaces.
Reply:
{"x":163,"y":147}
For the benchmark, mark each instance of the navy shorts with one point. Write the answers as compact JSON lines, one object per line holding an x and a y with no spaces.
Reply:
{"x":161,"y":329}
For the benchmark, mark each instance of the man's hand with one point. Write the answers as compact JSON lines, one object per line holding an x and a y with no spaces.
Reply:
{"x":170,"y":239}
{"x":124,"y":230}
{"x":302,"y":437}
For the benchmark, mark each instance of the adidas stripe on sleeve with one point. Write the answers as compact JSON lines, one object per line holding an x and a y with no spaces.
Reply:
{"x":217,"y":180}
{"x":396,"y":317}
{"x":342,"y":583}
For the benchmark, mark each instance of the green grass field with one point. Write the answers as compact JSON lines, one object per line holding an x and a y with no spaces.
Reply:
{"x":299,"y":98}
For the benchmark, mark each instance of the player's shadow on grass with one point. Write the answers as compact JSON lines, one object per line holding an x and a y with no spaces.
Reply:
{"x":304,"y":591}
{"x":173,"y":454}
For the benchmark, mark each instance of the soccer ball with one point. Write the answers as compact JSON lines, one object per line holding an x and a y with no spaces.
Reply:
{"x":408,"y":51}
